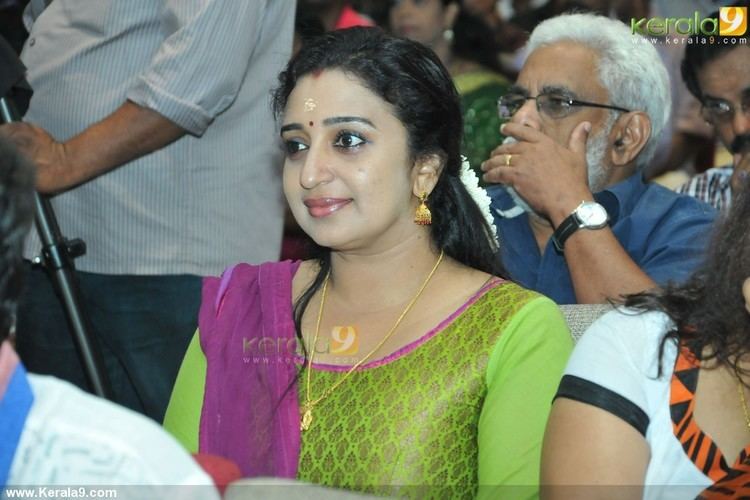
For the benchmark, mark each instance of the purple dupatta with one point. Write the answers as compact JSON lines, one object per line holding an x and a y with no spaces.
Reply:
{"x":250,"y":408}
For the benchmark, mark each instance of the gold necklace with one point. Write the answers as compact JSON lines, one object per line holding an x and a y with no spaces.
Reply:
{"x":741,"y":391}
{"x":307,"y":408}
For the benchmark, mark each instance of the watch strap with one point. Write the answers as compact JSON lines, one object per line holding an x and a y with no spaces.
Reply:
{"x":565,"y":230}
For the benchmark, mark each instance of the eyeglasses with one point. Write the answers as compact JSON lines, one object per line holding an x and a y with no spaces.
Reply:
{"x":551,"y":104}
{"x":718,"y":111}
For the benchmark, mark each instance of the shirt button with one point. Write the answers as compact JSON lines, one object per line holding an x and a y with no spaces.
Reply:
{"x":32,"y":41}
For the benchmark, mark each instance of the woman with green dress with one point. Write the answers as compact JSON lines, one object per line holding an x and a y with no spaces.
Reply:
{"x":398,"y":361}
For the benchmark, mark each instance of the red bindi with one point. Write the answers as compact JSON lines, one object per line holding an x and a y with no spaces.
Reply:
{"x":316,"y":73}
{"x":312,"y":124}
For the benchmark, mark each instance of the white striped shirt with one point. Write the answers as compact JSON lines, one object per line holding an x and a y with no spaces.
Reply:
{"x":712,"y":186}
{"x":211,"y":198}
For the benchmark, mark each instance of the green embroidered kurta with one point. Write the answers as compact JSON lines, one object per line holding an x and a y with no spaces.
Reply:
{"x":458,"y":414}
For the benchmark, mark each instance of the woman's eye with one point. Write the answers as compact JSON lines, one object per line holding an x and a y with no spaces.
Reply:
{"x":348,"y":140}
{"x":293,"y":147}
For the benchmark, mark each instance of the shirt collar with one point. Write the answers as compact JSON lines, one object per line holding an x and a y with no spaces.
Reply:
{"x":621,"y":198}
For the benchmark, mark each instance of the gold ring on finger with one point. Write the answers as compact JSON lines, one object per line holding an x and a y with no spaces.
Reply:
{"x":507,"y":159}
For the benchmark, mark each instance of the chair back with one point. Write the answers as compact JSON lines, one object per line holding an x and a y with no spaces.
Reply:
{"x":580,"y":316}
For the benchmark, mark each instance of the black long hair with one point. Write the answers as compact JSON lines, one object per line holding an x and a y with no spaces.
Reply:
{"x":410,"y":77}
{"x":16,"y":211}
{"x":708,"y":311}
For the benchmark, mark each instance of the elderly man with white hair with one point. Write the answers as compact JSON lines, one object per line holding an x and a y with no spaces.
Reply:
{"x":575,"y":219}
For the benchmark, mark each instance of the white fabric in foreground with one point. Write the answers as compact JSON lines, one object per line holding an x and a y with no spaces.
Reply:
{"x":620,"y":353}
{"x":74,"y":439}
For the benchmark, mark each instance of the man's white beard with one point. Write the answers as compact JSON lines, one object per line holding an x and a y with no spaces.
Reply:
{"x":596,"y":149}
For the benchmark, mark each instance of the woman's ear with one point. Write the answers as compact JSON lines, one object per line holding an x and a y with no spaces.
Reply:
{"x":425,"y":173}
{"x":628,"y":138}
{"x":450,"y":14}
{"x":746,"y":294}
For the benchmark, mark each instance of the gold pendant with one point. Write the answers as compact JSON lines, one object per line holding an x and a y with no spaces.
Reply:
{"x":306,"y":419}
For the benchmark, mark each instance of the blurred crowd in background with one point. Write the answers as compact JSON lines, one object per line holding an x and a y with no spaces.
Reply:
{"x":481,"y":42}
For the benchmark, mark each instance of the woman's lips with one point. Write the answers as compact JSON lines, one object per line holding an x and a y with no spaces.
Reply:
{"x":405,"y":30}
{"x":323,"y":207}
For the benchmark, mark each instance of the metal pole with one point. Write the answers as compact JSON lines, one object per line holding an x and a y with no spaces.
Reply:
{"x":57,"y":257}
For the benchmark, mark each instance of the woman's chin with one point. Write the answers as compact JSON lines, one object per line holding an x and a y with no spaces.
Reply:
{"x":328,"y":239}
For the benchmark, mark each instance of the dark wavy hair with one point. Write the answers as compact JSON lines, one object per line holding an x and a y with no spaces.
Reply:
{"x":703,"y":49}
{"x":16,"y":211}
{"x":708,"y":311}
{"x":409,"y":77}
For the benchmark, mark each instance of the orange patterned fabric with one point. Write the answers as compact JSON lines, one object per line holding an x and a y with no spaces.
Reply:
{"x":729,"y":482}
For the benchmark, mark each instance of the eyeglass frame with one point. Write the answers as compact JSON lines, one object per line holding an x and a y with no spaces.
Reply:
{"x":731,"y":108}
{"x":568,"y":100}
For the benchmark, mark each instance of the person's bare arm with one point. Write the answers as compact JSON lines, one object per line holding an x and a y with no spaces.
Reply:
{"x":130,"y":132}
{"x":589,"y":454}
{"x":600,"y":268}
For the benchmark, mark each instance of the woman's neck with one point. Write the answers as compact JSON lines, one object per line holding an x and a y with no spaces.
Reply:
{"x":442,"y":49}
{"x":384,"y":278}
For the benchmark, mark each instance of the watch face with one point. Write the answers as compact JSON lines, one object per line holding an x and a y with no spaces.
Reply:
{"x":592,"y":215}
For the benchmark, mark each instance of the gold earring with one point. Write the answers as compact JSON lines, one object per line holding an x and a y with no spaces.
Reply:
{"x":423,"y":216}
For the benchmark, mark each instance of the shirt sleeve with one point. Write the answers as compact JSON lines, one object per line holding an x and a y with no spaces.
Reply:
{"x":677,"y":243}
{"x":613,"y":363}
{"x":183,"y":415}
{"x":197,"y":71}
{"x":32,"y":11}
{"x":523,"y":372}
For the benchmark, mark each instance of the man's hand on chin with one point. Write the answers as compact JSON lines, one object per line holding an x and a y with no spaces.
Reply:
{"x":551,"y":177}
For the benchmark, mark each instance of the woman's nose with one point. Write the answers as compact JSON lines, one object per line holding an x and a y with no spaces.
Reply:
{"x":316,"y":168}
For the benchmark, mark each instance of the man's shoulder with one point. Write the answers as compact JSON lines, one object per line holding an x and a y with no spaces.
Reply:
{"x":662,"y":202}
{"x":665,"y":232}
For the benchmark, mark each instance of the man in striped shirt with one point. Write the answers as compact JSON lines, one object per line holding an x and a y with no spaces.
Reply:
{"x":151,"y":123}
{"x":712,"y":187}
{"x":718,"y":74}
